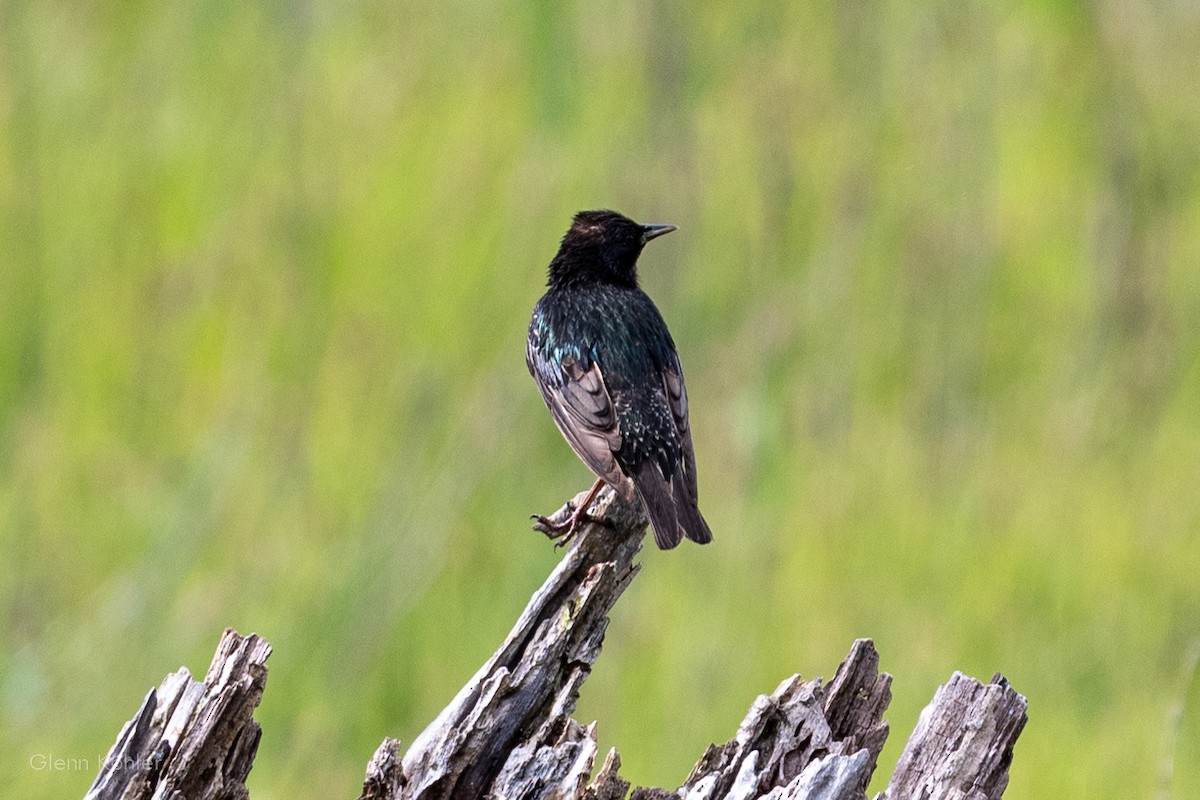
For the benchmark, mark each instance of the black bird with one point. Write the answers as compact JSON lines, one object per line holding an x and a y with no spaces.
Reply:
{"x":607,"y":369}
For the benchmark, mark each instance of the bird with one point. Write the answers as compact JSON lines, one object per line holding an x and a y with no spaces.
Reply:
{"x":607,"y":369}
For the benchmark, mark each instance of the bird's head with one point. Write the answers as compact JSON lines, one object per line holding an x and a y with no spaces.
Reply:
{"x":601,"y":247}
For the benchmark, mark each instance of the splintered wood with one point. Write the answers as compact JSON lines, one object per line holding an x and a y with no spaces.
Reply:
{"x":192,"y":739}
{"x":509,"y":733}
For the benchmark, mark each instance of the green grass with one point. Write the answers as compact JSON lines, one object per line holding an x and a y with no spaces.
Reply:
{"x":264,"y":280}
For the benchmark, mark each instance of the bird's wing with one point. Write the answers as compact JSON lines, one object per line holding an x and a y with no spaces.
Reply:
{"x":676,"y":392}
{"x":580,"y":404}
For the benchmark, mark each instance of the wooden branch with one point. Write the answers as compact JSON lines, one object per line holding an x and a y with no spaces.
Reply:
{"x":510,"y":727}
{"x":963,"y":743}
{"x":805,"y":740}
{"x":509,"y":732}
{"x":190,"y":739}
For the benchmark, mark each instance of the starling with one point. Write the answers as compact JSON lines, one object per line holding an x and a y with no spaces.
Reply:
{"x":608,"y":371}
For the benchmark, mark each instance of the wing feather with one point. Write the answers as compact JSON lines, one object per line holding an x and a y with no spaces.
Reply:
{"x":676,"y":392}
{"x":583,"y":411}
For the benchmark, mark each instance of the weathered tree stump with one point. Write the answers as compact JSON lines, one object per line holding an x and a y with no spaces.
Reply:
{"x":509,"y":732}
{"x":190,"y":739}
{"x":962,"y":746}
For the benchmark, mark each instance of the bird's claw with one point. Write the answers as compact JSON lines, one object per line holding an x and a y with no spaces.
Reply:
{"x":564,"y":530}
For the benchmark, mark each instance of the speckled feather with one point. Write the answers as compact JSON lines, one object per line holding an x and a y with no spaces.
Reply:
{"x":608,"y":371}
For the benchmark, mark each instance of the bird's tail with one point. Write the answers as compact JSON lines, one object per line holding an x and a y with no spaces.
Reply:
{"x":673,"y":510}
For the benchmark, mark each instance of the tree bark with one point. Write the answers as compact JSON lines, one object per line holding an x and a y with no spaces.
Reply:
{"x":509,"y":732}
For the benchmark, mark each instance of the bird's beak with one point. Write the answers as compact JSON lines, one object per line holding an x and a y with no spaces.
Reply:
{"x":654,"y":231}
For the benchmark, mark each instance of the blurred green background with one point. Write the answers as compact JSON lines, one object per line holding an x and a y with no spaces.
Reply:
{"x":265,"y":273}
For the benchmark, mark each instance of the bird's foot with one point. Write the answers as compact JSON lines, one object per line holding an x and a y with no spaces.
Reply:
{"x":562,"y":528}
